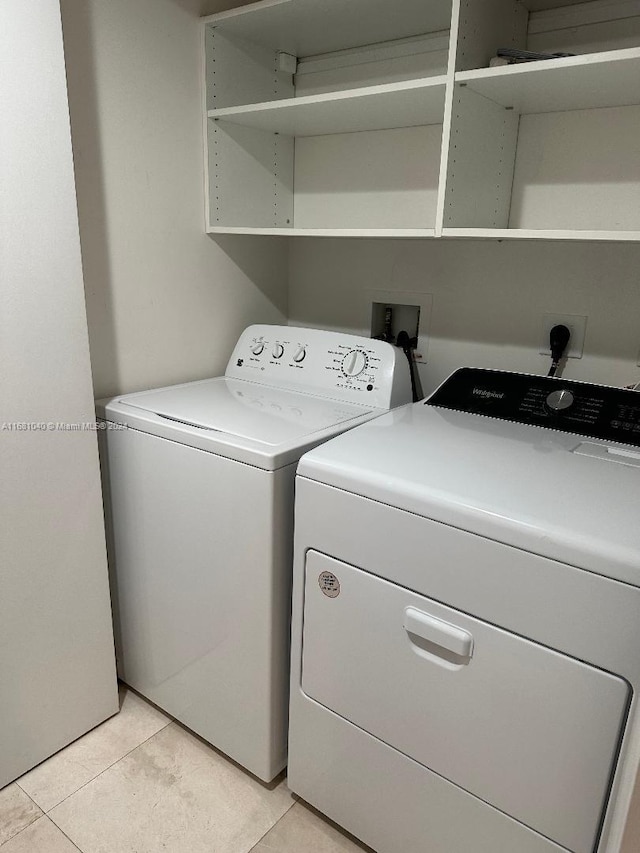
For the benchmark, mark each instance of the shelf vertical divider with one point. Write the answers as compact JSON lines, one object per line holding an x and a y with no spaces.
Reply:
{"x":446,"y":123}
{"x":482,"y":153}
{"x":204,"y":85}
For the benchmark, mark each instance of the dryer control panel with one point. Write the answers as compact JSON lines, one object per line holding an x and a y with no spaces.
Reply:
{"x":597,"y":411}
{"x":328,"y":364}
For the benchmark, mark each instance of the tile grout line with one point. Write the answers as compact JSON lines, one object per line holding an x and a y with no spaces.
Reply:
{"x":70,"y":840}
{"x":42,"y":814}
{"x":98,"y":775}
{"x":262,"y":837}
{"x":42,"y":811}
{"x":11,"y":837}
{"x":29,"y":797}
{"x":47,"y":814}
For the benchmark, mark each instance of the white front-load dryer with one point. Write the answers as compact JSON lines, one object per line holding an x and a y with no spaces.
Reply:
{"x":466,"y":621}
{"x":199,"y":483}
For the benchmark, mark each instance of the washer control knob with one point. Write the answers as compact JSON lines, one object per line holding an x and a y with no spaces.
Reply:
{"x":559,"y":401}
{"x":354,"y":363}
{"x":278,"y":351}
{"x":258,"y":349}
{"x":300,"y":355}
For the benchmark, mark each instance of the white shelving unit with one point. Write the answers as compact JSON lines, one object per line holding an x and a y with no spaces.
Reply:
{"x":548,"y":149}
{"x":351,"y":144}
{"x":393,"y":124}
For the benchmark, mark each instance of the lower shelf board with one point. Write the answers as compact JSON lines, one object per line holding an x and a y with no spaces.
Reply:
{"x":429,"y":233}
{"x":398,"y":233}
{"x":540,"y":234}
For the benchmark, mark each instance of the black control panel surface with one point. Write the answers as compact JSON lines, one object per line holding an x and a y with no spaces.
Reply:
{"x":596,"y":411}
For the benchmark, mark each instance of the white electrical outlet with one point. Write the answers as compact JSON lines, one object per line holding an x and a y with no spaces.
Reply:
{"x":577,"y":325}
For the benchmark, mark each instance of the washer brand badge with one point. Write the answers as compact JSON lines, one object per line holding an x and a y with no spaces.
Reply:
{"x":329,"y":584}
{"x":488,"y":395}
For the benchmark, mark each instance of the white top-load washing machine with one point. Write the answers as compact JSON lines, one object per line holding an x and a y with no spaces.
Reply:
{"x":466,"y":621}
{"x":199,"y":484}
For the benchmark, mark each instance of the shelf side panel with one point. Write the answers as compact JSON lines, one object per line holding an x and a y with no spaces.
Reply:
{"x":578,"y":170}
{"x":371,"y":180}
{"x":482,"y":150}
{"x":486,"y":25}
{"x":241,"y":72}
{"x":250,"y":177}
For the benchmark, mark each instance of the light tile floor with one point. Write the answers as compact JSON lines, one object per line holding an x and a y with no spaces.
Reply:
{"x":140,"y":783}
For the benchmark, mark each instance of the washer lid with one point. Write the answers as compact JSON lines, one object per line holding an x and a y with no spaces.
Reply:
{"x":266,"y":415}
{"x":561,"y":496}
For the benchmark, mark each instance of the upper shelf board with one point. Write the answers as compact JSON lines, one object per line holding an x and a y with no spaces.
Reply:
{"x":407,"y":104}
{"x":610,"y":79}
{"x":546,"y":5}
{"x":310,"y":27}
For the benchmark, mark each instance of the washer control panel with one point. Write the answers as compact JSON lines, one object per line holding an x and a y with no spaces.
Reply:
{"x":329,"y":364}
{"x":597,"y":411}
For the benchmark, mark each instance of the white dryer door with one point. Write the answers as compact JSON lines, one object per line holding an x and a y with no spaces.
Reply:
{"x":528,"y":730}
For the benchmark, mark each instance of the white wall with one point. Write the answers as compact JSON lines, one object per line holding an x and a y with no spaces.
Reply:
{"x":165,"y":302}
{"x":488,"y":298}
{"x":56,"y":643}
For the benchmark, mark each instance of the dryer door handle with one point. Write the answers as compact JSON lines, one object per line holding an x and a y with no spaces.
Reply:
{"x":455,"y":640}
